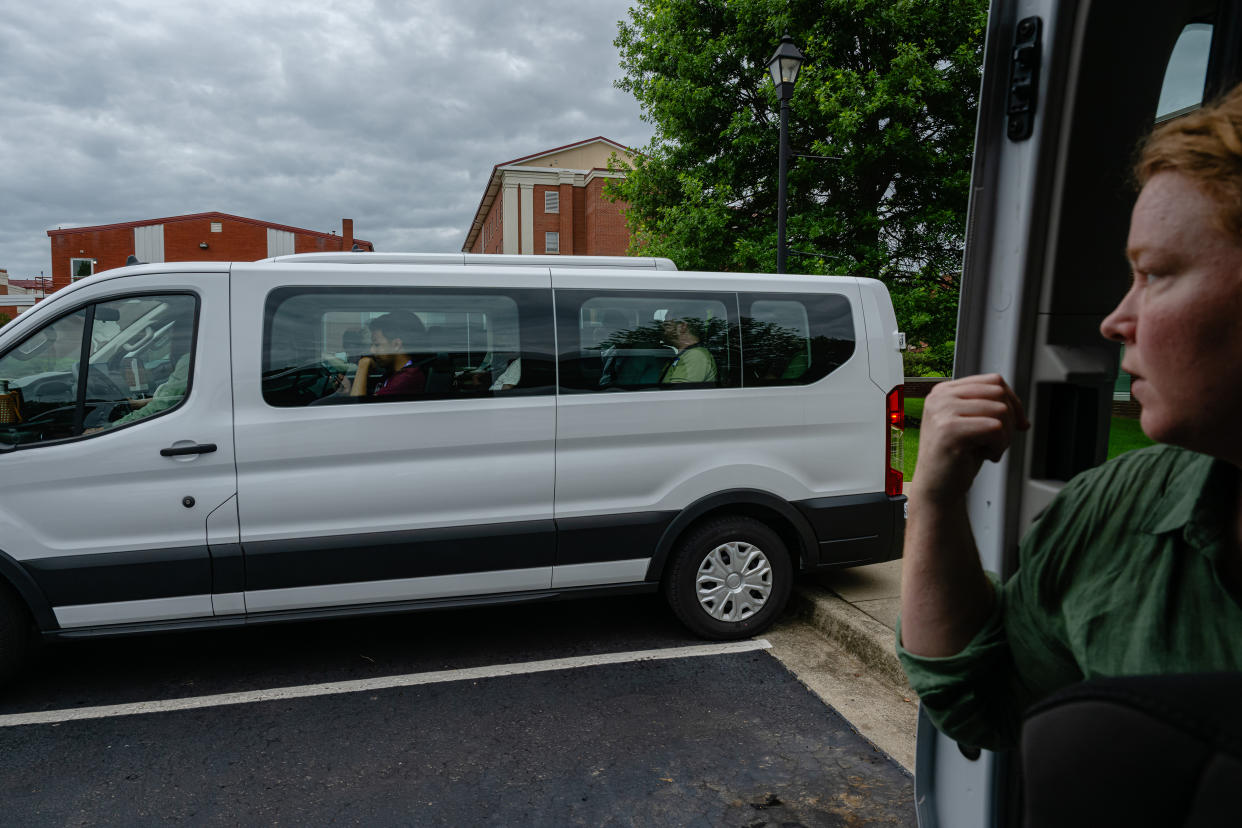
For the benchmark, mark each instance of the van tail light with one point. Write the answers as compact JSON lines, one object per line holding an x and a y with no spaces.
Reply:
{"x":896,"y":412}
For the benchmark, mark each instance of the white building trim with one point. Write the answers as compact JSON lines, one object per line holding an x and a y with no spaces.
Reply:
{"x":509,"y":218}
{"x":528,"y":218}
{"x":593,"y":174}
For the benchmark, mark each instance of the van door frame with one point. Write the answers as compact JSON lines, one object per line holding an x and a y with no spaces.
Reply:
{"x":1044,"y":264}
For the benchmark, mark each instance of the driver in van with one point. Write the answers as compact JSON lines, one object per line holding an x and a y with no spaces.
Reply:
{"x":393,"y":339}
{"x":172,"y":390}
{"x":1136,"y":566}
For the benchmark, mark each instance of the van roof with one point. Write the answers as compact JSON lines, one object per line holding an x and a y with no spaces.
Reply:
{"x":505,"y":260}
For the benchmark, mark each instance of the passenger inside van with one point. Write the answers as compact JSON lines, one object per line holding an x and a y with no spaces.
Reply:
{"x":394,"y":341}
{"x":509,"y":377}
{"x":497,"y":372}
{"x":1136,"y":566}
{"x":481,"y":378}
{"x":693,"y":362}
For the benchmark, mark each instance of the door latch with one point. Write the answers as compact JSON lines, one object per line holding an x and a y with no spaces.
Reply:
{"x":1024,"y":62}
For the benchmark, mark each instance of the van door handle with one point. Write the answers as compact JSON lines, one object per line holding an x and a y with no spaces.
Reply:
{"x":201,"y":448}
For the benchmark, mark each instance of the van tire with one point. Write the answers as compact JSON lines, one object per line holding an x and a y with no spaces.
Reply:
{"x":729,"y":578}
{"x":15,"y":637}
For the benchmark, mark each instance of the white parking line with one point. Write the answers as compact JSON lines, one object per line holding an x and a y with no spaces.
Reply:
{"x":383,"y":683}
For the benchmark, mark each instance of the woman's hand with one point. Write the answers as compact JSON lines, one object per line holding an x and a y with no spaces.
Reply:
{"x":965,"y":422}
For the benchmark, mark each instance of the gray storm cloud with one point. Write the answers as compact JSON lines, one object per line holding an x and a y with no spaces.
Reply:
{"x":302,"y":113}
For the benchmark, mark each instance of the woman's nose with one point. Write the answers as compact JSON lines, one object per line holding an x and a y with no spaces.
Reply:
{"x":1119,"y":325}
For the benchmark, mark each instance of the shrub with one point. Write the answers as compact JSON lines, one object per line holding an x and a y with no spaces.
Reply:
{"x":929,"y":361}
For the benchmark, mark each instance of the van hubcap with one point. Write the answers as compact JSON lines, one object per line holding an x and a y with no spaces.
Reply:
{"x":734,"y":581}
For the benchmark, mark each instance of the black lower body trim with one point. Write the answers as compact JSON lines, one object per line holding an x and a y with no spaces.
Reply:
{"x":382,"y":556}
{"x":602,"y":538}
{"x":122,"y":576}
{"x":326,"y":613}
{"x":857,"y":529}
{"x":228,"y":569}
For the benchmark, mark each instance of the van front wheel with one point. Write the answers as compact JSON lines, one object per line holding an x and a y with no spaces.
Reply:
{"x":729,"y":578}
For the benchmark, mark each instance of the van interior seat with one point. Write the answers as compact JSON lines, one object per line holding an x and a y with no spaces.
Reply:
{"x":1135,"y":751}
{"x":437,"y":362}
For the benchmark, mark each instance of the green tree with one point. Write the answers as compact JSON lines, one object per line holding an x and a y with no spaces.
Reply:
{"x":5,"y":319}
{"x":889,"y":90}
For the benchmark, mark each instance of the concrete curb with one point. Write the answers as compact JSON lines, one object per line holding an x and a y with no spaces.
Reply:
{"x":858,"y":633}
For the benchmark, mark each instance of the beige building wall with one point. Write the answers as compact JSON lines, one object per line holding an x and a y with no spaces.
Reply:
{"x":513,"y":206}
{"x":589,"y":157}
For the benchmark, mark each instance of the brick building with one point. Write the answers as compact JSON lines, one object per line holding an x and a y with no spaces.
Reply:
{"x":81,"y":251}
{"x":6,"y":288}
{"x":25,"y":292}
{"x":553,"y":202}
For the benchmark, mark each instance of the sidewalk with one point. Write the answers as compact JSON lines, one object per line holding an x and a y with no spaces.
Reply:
{"x":838,"y":639}
{"x":857,"y":609}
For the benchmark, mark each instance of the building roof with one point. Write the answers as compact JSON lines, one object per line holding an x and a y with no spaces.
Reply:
{"x":598,"y":139}
{"x":493,"y":181}
{"x":198,"y":216}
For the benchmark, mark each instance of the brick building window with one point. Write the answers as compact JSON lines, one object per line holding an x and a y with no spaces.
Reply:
{"x":551,"y":201}
{"x":80,"y":268}
{"x":551,"y":242}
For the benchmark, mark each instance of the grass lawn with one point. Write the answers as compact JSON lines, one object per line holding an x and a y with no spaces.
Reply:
{"x":909,"y":453}
{"x":1123,"y":435}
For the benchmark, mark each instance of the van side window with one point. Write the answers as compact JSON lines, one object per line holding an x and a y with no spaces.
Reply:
{"x":414,"y":344}
{"x":646,"y":341}
{"x":141,"y":364}
{"x":39,"y":383}
{"x":138,"y":351}
{"x":795,"y":339}
{"x":1182,"y":90}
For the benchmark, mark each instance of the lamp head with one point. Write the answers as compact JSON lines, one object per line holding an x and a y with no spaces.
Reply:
{"x":784,"y":65}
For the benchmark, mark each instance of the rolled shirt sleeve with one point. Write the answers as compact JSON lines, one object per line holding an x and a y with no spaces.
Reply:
{"x":1117,"y":577}
{"x":1021,"y":653}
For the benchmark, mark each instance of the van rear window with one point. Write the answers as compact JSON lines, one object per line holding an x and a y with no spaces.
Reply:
{"x":673,"y":340}
{"x":795,"y":339}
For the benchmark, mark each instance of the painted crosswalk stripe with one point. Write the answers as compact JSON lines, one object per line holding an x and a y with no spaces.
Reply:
{"x":381,"y":683}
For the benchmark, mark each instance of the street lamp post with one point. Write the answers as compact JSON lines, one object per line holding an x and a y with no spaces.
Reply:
{"x":783,"y":66}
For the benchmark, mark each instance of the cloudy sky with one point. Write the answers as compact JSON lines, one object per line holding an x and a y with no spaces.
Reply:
{"x":391,"y":113}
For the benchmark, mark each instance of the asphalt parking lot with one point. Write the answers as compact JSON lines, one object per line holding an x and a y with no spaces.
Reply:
{"x":587,"y":713}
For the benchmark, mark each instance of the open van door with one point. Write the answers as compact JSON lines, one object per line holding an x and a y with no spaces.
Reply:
{"x":1069,"y":89}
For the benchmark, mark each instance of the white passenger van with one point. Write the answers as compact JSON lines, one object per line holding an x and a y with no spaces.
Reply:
{"x":195,"y":444}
